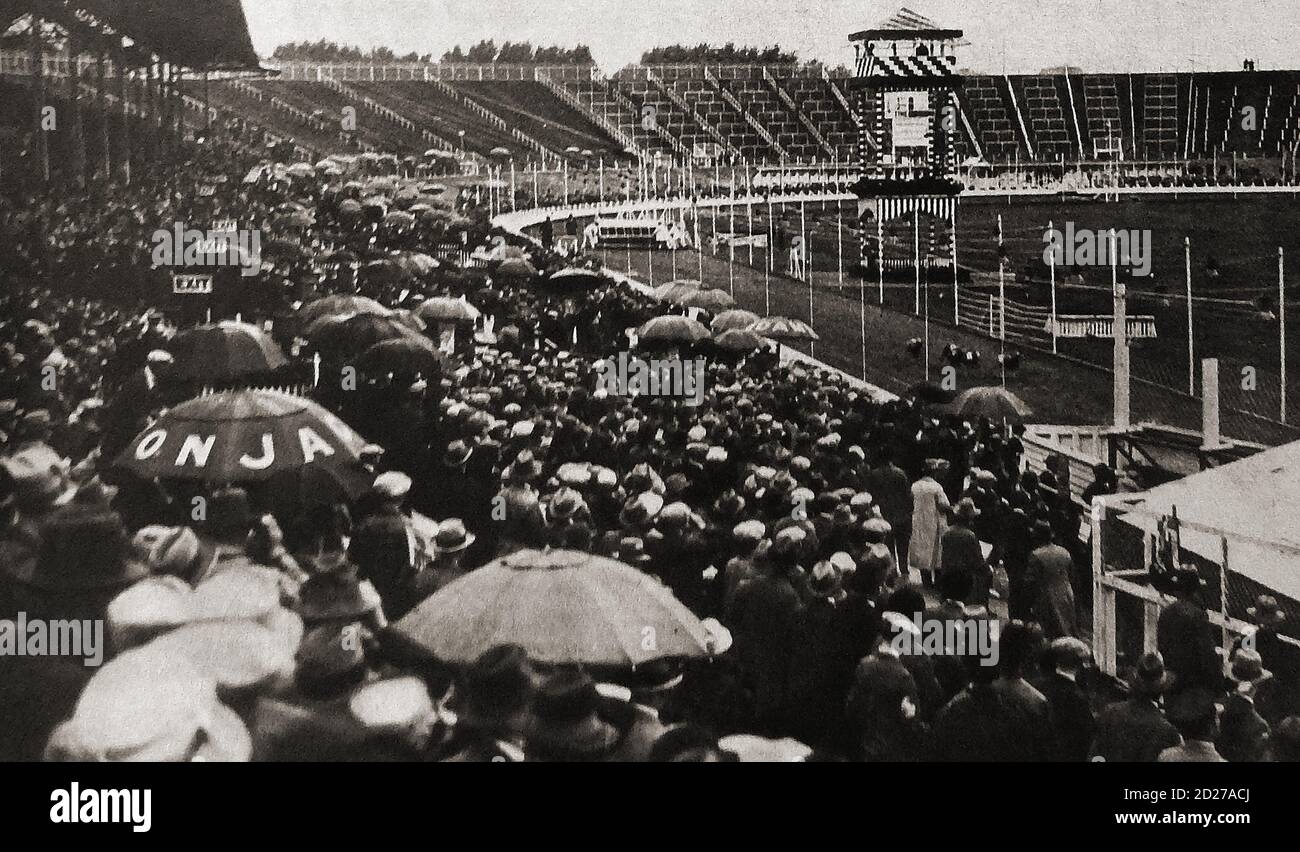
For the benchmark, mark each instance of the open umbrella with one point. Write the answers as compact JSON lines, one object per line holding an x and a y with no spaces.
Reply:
{"x":340,"y":304}
{"x":675,"y":290}
{"x":709,"y":300}
{"x":500,"y":151}
{"x":739,"y":340}
{"x":931,"y":393}
{"x":577,"y":278}
{"x":733,"y":319}
{"x":399,"y":219}
{"x":784,"y":328}
{"x":402,"y":355}
{"x":355,"y":334}
{"x":240,"y":436}
{"x":447,"y":309}
{"x":516,"y":269}
{"x":224,"y":350}
{"x":416,"y":262}
{"x":561,"y":606}
{"x":995,"y":403}
{"x":672,"y":329}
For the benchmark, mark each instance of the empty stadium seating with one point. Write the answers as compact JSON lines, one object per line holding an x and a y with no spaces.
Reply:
{"x":791,"y":114}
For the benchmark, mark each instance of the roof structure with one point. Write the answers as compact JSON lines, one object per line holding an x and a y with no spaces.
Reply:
{"x":1251,"y":502}
{"x":196,"y":34}
{"x":906,"y":24}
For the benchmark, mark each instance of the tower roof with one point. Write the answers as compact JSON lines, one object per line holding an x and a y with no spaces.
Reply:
{"x":904,"y":24}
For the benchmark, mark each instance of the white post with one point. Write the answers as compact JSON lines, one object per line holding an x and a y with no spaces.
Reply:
{"x":839,"y":247}
{"x":880,"y":255}
{"x":956,"y":294}
{"x":916,"y":257}
{"x":1210,"y":404}
{"x":1051,"y":264}
{"x":1191,"y":351}
{"x":1002,"y":304}
{"x":1120,"y":331}
{"x":1281,"y":329}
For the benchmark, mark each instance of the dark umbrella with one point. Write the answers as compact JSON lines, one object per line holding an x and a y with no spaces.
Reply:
{"x":931,"y":393}
{"x":672,"y":329}
{"x":735,"y":318}
{"x":562,"y":607}
{"x":355,"y":334}
{"x":340,"y":304}
{"x":739,"y":340}
{"x":576,"y":278}
{"x":995,"y":403}
{"x":240,"y":436}
{"x":223,"y":351}
{"x":402,"y":355}
{"x":447,"y":309}
{"x":784,"y":328}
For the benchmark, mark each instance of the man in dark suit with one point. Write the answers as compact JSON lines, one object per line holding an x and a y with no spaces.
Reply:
{"x":1243,"y":733}
{"x":888,"y":485}
{"x":1068,"y":659}
{"x":1135,"y":730}
{"x":1184,"y":636}
{"x":1281,"y":696}
{"x":960,"y":551}
{"x":385,"y":547}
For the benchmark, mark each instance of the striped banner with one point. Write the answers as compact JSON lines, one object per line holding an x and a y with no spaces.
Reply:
{"x":888,"y":209}
{"x":912,"y":66}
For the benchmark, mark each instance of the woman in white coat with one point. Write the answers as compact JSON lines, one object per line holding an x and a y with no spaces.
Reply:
{"x":930,"y":510}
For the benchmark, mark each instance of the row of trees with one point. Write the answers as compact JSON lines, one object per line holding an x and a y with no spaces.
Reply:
{"x":728,"y":54}
{"x":520,"y":53}
{"x":328,"y":51}
{"x":517,"y":53}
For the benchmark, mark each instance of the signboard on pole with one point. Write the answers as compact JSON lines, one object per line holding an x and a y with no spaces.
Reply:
{"x":191,"y":284}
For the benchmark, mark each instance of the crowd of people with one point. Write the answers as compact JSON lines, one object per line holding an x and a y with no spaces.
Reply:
{"x":813,"y":526}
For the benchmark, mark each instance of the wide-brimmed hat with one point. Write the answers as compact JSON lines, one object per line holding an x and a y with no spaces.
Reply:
{"x":966,"y":510}
{"x":564,"y":504}
{"x":393,"y":485}
{"x":150,"y":705}
{"x":566,"y":717}
{"x":641,"y":509}
{"x":498,"y":685}
{"x":524,"y":468}
{"x":331,"y":596}
{"x":83,"y":549}
{"x":452,"y":537}
{"x":631,"y":550}
{"x":330,"y":658}
{"x":1266,"y":611}
{"x":825,"y":579}
{"x":38,"y":477}
{"x":1150,"y":678}
{"x":1246,"y":668}
{"x":229,"y":508}
{"x":457,"y":453}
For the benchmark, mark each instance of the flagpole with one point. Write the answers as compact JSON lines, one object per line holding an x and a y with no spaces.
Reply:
{"x":731,"y":241}
{"x":1281,"y":328}
{"x":1051,"y":265}
{"x":956,"y":292}
{"x":862,"y":310}
{"x":880,"y":253}
{"x":1191,"y":351}
{"x":1002,"y":305}
{"x":803,"y":264}
{"x":767,"y":268}
{"x":916,"y":257}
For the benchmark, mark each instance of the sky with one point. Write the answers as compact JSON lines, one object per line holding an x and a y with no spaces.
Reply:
{"x":1015,"y":36}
